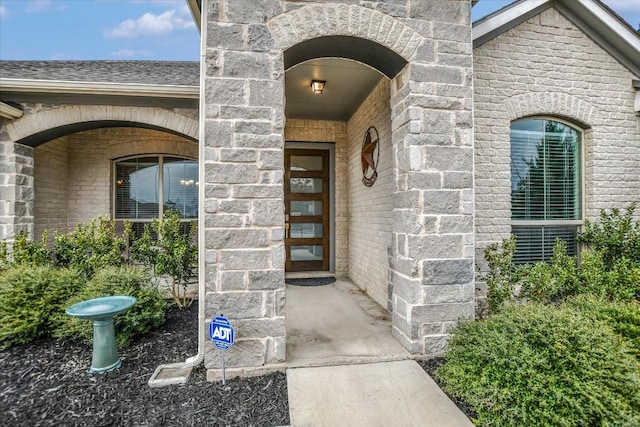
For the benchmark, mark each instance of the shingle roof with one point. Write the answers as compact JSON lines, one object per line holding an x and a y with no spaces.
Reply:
{"x":140,"y":72}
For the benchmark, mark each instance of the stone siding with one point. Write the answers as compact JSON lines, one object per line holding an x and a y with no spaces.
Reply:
{"x":548,"y":67}
{"x":371,"y":208}
{"x":431,"y":153}
{"x":332,"y":132}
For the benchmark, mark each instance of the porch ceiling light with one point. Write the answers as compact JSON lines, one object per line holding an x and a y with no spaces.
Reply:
{"x":317,"y":86}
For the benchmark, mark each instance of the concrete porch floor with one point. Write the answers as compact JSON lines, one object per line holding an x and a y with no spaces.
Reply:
{"x":337,"y":324}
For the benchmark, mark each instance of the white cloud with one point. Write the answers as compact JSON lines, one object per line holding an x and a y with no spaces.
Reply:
{"x":63,"y":56}
{"x":39,"y":6}
{"x":4,"y":12}
{"x":150,"y":25}
{"x":129,"y":53}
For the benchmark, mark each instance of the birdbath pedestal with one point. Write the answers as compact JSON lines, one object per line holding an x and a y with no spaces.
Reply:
{"x":101,"y":311}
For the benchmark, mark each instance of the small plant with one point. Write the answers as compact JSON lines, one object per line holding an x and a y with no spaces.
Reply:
{"x":27,"y":251}
{"x":536,"y":365}
{"x":172,"y":255}
{"x":616,"y":236}
{"x":91,"y":247}
{"x":30,"y":296}
{"x":148,"y":312}
{"x":502,"y":275}
{"x":551,"y":281}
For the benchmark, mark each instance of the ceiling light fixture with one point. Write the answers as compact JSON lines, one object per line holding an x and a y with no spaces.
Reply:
{"x":317,"y":86}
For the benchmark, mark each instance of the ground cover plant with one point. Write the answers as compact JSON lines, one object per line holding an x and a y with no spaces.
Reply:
{"x":559,"y":342}
{"x":536,"y":365}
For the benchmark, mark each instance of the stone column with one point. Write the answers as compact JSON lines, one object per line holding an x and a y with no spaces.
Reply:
{"x":16,"y":189}
{"x":244,"y":208}
{"x":432,"y":255}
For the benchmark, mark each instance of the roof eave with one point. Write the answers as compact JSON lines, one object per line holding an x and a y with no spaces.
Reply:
{"x":196,"y":12}
{"x":98,"y":88}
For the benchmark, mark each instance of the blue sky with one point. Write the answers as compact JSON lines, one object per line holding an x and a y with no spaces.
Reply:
{"x":135,"y":29}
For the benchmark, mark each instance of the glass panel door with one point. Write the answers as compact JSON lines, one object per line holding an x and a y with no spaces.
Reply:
{"x":307,"y":210}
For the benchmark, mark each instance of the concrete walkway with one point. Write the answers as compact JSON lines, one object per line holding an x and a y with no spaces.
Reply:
{"x":345,"y":369}
{"x":386,"y":394}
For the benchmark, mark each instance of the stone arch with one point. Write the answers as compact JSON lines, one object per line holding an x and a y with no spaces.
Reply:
{"x":551,"y":103}
{"x":36,"y":128}
{"x":302,"y":25}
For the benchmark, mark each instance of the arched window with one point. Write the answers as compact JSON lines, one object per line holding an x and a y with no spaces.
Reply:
{"x":147,"y":186}
{"x":546,"y":187}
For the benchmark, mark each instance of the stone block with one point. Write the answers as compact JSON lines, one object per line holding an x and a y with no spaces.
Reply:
{"x":256,"y":127}
{"x":261,"y":328}
{"x":247,"y":113}
{"x":239,"y":155}
{"x":271,"y":159}
{"x":218,"y":133}
{"x":450,"y":159}
{"x":234,"y":206}
{"x":266,"y":279}
{"x":234,"y":304}
{"x":260,"y":39}
{"x":447,"y":271}
{"x":258,"y":141}
{"x":276,"y":349}
{"x":442,"y":294}
{"x":233,"y":281}
{"x":429,"y":313}
{"x":257,"y":191}
{"x":408,"y":289}
{"x":268,"y":213}
{"x":436,"y":344}
{"x":454,"y":224}
{"x":249,"y":12}
{"x":436,"y":74}
{"x":245,"y":259}
{"x":246,"y":65}
{"x":224,"y":35}
{"x":441,"y":202}
{"x":230,"y":173}
{"x":225,"y":91}
{"x":244,"y":353}
{"x":268,"y":93}
{"x":435,"y":246}
{"x":236,"y":238}
{"x":424,"y":180}
{"x":457,"y":180}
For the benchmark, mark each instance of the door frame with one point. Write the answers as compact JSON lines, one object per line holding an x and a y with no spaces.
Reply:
{"x":328,"y":146}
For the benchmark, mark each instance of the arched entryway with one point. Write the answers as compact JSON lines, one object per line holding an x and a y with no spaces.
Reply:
{"x":428,"y":254}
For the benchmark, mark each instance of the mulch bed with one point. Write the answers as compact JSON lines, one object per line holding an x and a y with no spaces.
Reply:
{"x":45,"y":383}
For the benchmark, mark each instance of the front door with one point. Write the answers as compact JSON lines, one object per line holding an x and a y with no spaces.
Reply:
{"x":306,"y":196}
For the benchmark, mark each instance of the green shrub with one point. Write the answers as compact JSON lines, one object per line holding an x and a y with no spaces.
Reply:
{"x":29,"y":298}
{"x":502,"y":275}
{"x":26,"y":251}
{"x":550,"y":281}
{"x":148,"y":312}
{"x":91,"y":247}
{"x":622,"y":316}
{"x":535,"y":365}
{"x":616,"y":236}
{"x":172,"y":255}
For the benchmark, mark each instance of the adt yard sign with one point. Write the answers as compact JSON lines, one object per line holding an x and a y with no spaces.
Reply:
{"x":221,"y":333}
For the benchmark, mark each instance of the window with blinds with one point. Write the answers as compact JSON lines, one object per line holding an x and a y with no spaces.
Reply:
{"x":147,"y":186}
{"x":546,"y":187}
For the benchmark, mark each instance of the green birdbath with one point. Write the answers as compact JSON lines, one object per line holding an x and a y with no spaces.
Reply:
{"x":101,"y":311}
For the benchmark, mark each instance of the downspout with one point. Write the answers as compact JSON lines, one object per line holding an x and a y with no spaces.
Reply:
{"x":202,"y":286}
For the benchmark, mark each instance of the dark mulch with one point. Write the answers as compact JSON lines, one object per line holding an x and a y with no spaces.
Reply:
{"x":46,"y":383}
{"x":430,"y":366}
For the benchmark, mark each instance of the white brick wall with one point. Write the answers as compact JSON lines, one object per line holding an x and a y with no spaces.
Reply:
{"x":371,"y":208}
{"x":51,"y":165}
{"x":79,"y":166}
{"x":547,"y":66}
